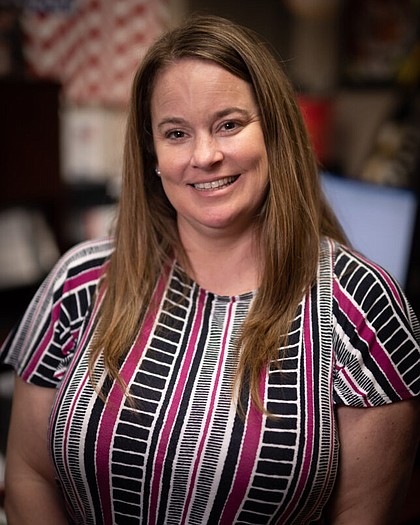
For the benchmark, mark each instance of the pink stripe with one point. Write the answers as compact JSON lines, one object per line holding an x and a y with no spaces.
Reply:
{"x":69,"y":419}
{"x":114,"y":401}
{"x":353,"y":385}
{"x":309,"y":390}
{"x":55,"y":313}
{"x":167,"y":429}
{"x":32,"y":328}
{"x":82,"y":278}
{"x":27,"y":373}
{"x":247,"y":461}
{"x":309,"y":434}
{"x":367,"y":334}
{"x":209,"y":415}
{"x":331,"y":427}
{"x":385,"y":276}
{"x":36,"y":316}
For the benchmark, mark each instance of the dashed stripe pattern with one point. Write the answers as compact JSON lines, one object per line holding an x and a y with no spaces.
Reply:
{"x":43,"y":343}
{"x":176,"y":451}
{"x":375,"y":338}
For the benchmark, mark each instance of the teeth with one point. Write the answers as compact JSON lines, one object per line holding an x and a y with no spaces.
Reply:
{"x":215,"y":184}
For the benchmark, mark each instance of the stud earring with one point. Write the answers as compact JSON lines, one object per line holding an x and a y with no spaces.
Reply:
{"x":157,"y":170}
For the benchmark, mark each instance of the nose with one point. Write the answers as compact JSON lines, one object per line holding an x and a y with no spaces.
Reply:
{"x":206,"y":152}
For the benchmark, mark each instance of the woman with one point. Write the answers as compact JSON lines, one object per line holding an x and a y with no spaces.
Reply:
{"x":204,"y":365}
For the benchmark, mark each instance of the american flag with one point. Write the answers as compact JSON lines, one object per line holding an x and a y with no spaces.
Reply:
{"x":91,"y":46}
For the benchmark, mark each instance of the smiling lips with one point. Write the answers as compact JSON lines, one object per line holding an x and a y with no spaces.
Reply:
{"x":215,"y":185}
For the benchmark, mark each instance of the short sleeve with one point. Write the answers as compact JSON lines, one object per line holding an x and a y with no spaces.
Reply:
{"x":376,"y":335}
{"x":41,"y":346}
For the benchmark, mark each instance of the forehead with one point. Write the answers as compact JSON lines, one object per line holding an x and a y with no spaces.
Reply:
{"x":195,"y":77}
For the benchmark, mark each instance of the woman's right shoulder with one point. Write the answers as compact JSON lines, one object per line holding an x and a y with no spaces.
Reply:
{"x":82,"y":258}
{"x":50,"y":326}
{"x":92,"y":250}
{"x":80,"y":267}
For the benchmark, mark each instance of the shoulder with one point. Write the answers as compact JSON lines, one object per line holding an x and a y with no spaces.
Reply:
{"x":363,"y":289}
{"x":350,"y":264}
{"x":87,"y":254}
{"x":42,"y":344}
{"x":83,"y":263}
{"x":363,"y":281}
{"x":376,"y":334}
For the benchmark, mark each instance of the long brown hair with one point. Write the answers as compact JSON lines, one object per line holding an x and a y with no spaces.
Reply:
{"x":292,"y":220}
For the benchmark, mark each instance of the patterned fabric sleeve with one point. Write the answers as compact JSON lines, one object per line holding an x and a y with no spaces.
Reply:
{"x":376,"y":335}
{"x":42,"y":344}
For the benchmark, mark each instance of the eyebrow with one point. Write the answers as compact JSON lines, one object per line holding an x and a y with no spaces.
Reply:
{"x":228,"y":111}
{"x":219,"y":114}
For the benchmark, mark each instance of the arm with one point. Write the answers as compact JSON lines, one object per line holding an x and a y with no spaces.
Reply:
{"x":377,"y":453}
{"x":31,"y":494}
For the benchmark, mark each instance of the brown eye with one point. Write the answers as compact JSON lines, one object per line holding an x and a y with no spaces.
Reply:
{"x":175,"y":134}
{"x":229,"y":125}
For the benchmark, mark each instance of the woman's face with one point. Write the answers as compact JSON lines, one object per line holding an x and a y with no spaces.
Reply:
{"x":209,"y":146}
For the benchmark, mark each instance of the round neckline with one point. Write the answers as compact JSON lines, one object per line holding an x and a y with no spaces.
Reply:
{"x":242,"y":297}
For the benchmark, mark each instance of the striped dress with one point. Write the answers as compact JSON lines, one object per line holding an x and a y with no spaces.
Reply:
{"x":176,"y":451}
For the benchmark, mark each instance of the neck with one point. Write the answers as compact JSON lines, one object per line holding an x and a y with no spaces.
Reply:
{"x":223,"y":264}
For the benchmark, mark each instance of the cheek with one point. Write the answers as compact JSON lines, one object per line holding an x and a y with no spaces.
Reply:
{"x":251,"y":152}
{"x":167,"y":190}
{"x":171,"y":162}
{"x":171,"y":174}
{"x":172,"y":186}
{"x":256,"y":159}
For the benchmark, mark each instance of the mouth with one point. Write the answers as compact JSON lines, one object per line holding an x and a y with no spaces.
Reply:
{"x":216,"y":184}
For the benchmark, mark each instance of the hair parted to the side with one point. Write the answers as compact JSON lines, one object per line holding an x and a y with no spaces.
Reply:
{"x":291,"y":223}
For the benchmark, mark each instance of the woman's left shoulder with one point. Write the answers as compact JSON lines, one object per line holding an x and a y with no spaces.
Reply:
{"x":363,"y":279}
{"x":376,"y":333}
{"x":350,"y":264}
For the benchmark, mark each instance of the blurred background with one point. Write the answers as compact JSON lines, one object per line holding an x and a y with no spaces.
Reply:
{"x":66,"y":68}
